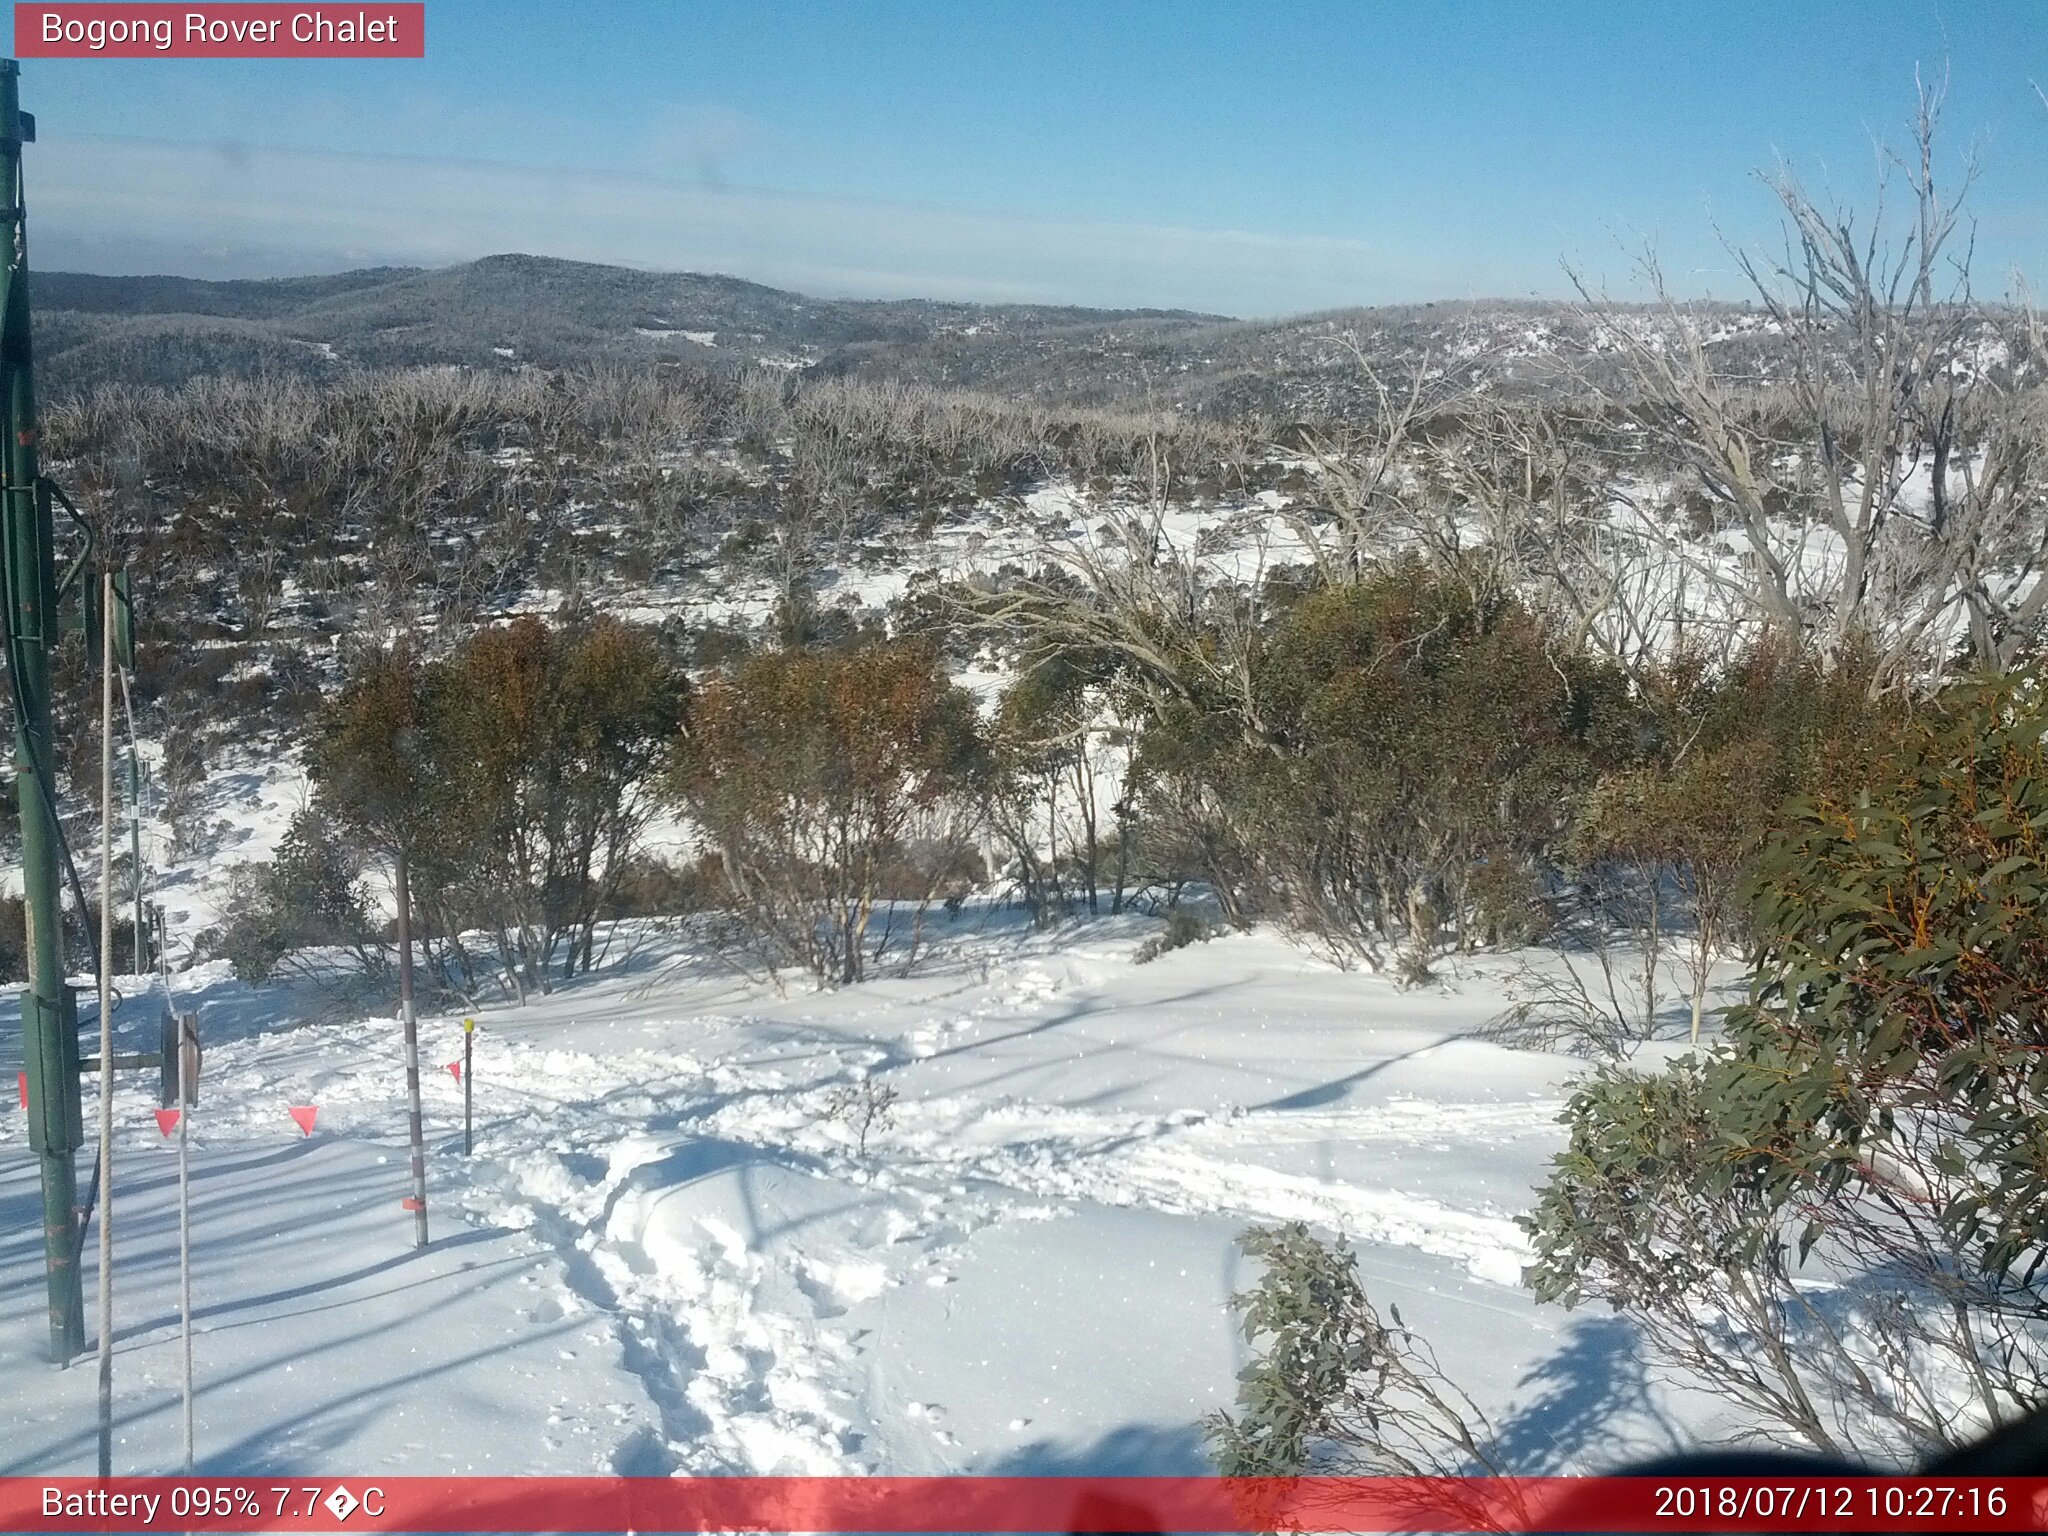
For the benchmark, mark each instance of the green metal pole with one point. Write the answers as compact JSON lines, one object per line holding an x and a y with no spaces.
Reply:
{"x":49,"y":1016}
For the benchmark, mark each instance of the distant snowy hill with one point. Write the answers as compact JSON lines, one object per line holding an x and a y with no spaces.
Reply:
{"x":501,"y":311}
{"x":515,"y":311}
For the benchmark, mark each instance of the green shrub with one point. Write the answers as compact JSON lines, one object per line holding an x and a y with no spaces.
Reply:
{"x":1416,"y":750}
{"x":311,"y":895}
{"x":1877,"y":1117}
{"x":1334,"y":1388}
{"x":1184,"y":926}
{"x":818,"y":778}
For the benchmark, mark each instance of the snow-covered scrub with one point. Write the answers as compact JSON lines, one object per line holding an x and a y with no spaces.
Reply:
{"x":671,"y":1252}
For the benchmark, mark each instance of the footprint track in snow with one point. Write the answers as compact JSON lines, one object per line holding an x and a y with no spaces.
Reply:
{"x":741,"y":1385}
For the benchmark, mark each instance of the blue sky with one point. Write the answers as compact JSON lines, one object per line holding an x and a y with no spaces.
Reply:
{"x":1246,"y":158}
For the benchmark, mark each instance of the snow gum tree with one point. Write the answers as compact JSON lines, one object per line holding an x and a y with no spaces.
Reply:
{"x":553,"y":739}
{"x":830,"y":784}
{"x":1055,"y":729}
{"x":1421,"y":745}
{"x":508,"y":783}
{"x":372,"y":760}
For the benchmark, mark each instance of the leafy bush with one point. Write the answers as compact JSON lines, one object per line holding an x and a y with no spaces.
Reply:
{"x":812,"y":775}
{"x":551,"y":740}
{"x":13,"y":939}
{"x":311,"y":895}
{"x":1663,"y":847}
{"x":1409,"y":735}
{"x":508,"y":783}
{"x":1183,"y":927}
{"x":651,"y":886}
{"x":1334,"y":1388}
{"x":1877,"y":1118}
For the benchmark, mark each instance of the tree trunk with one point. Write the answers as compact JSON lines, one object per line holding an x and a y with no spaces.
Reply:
{"x":1084,"y":790}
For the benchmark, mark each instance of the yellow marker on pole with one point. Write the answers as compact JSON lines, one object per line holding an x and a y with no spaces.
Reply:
{"x":468,"y":1081}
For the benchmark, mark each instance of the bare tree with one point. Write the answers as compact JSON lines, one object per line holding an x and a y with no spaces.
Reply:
{"x":1184,"y":629}
{"x":1886,"y":494}
{"x":1530,"y":499}
{"x":1367,"y":495}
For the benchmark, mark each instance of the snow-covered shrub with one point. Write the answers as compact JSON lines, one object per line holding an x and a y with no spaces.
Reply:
{"x":1412,"y":967}
{"x":862,"y":1107}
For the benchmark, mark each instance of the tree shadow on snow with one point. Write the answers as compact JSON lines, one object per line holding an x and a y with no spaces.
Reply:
{"x":1593,"y":1408}
{"x":1130,"y":1450}
{"x":1339,"y":1088}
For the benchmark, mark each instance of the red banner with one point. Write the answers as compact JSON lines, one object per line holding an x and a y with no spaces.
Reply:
{"x":101,"y":31}
{"x":1010,"y":1504}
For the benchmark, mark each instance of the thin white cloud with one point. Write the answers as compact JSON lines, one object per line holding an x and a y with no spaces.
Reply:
{"x":123,"y":205}
{"x":702,"y":139}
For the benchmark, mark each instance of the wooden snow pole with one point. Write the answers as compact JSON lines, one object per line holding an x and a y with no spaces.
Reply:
{"x":417,"y":1203}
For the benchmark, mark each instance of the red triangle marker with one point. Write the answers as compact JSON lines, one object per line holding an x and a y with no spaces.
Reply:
{"x":167,"y":1120}
{"x":303,"y":1114}
{"x":24,"y":1088}
{"x":456,"y":1068}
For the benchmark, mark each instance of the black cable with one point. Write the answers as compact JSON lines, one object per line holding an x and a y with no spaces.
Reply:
{"x":92,"y":1199}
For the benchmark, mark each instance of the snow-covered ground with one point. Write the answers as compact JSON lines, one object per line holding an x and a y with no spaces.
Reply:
{"x":666,"y":1254}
